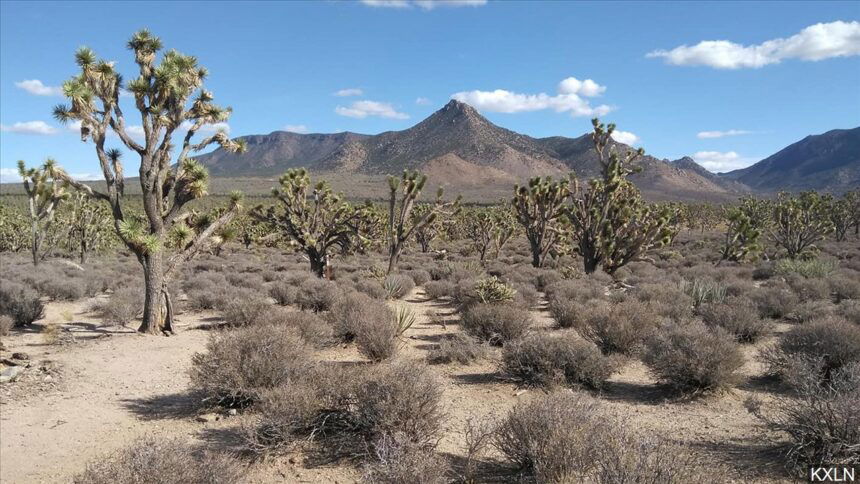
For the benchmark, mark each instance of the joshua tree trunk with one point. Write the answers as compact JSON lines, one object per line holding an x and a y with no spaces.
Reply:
{"x":156,"y":318}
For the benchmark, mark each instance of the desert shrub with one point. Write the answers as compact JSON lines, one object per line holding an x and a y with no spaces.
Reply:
{"x":547,"y":359}
{"x":419,"y":276}
{"x":309,"y":326}
{"x":692,"y":357}
{"x":809,"y":268}
{"x":492,"y":290}
{"x":495,"y":323}
{"x":850,"y":310}
{"x":6,"y":325}
{"x":568,"y":313}
{"x":703,"y":290}
{"x":372,"y":288}
{"x":464,"y":294}
{"x":822,"y":419}
{"x":156,"y":459}
{"x":809,"y":289}
{"x":62,"y":288}
{"x":809,"y":310}
{"x":456,"y":348}
{"x":397,"y":285}
{"x":283,"y":293}
{"x":244,"y":279}
{"x":245,"y":310}
{"x":20,"y":302}
{"x":238,"y":364}
{"x":376,"y":333}
{"x":738,"y":316}
{"x":526,"y":295}
{"x":206,"y":290}
{"x":666,"y":299}
{"x":764,"y":272}
{"x":580,"y":290}
{"x":438,"y":289}
{"x":832,"y":342}
{"x":553,"y":438}
{"x":545,"y":278}
{"x":618,"y":328}
{"x":353,"y":310}
{"x":844,"y":286}
{"x":398,"y":461}
{"x":123,"y":306}
{"x":774,"y":301}
{"x":317,"y":294}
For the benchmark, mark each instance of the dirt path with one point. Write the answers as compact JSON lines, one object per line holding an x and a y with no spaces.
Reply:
{"x":108,"y":387}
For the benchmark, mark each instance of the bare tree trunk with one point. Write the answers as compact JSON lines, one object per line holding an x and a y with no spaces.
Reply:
{"x":155,"y":318}
{"x":393,"y":257}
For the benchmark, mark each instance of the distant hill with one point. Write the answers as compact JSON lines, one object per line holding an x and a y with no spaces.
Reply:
{"x":456,"y":146}
{"x":824,"y":162}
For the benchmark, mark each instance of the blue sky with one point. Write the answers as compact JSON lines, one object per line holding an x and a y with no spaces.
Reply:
{"x":779,"y":72}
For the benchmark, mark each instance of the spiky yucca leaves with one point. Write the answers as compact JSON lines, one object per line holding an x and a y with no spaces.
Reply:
{"x":610,"y":223}
{"x":742,"y":240}
{"x":313,"y":217}
{"x":46,"y":188}
{"x":799,"y":222}
{"x":539,"y":207}
{"x":170,"y":98}
{"x":493,"y":290}
{"x":401,"y":225}
{"x":13,"y":229}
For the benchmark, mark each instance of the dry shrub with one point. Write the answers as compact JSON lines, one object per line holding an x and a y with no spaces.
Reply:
{"x":6,"y":325}
{"x":438,"y":289}
{"x":353,"y":311}
{"x":238,"y":364}
{"x":619,"y":328}
{"x":807,"y":311}
{"x":845,"y":286}
{"x":165,"y":461}
{"x":397,"y":286}
{"x":419,"y":276}
{"x":809,"y":289}
{"x":372,"y":288}
{"x":822,"y":419}
{"x":692,"y":357}
{"x":123,"y":306}
{"x":850,"y":310}
{"x":547,"y":359}
{"x":376,"y":333}
{"x":245,"y":310}
{"x":317,"y":294}
{"x":496,"y":323}
{"x":774,"y":301}
{"x":312,"y":328}
{"x":666,"y":299}
{"x":527,"y":296}
{"x":206,"y":290}
{"x":398,"y":461}
{"x":458,"y":348}
{"x":831,"y":341}
{"x":20,"y":302}
{"x":738,"y":316}
{"x":283,"y":293}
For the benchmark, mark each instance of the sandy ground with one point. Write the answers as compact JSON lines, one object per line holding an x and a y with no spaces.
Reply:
{"x":116,"y":385}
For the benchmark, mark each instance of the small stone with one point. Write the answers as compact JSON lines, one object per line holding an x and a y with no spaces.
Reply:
{"x":10,"y":374}
{"x":20,"y":356}
{"x":207,"y":417}
{"x":232,"y":412}
{"x":519,"y":392}
{"x":48,"y":378}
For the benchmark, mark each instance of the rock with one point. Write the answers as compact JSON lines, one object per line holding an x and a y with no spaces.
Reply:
{"x":207,"y":417}
{"x":10,"y":374}
{"x":232,"y":412}
{"x":20,"y":356}
{"x":48,"y":378}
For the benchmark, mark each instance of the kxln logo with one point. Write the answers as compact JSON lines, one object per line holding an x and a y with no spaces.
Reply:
{"x":832,"y":473}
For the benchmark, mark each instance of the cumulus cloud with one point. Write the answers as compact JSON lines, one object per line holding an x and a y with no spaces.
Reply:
{"x":30,"y":127}
{"x":625,"y":137}
{"x":363,"y":109}
{"x":814,"y":43}
{"x":35,"y":87}
{"x":721,"y":134}
{"x":296,"y":128}
{"x":9,"y":175}
{"x":569,"y":99}
{"x":423,"y":4}
{"x":422,"y":101}
{"x":185,"y":126}
{"x":718,"y":161}
{"x":351,"y":91}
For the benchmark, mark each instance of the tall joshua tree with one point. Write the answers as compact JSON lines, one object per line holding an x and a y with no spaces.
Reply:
{"x":46,"y":188}
{"x":539,"y":208}
{"x":611,"y":224}
{"x":401,"y":225}
{"x":170,"y":98}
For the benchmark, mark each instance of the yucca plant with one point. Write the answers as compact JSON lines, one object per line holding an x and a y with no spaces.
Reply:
{"x":492,"y":290}
{"x":808,"y":268}
{"x":404,"y":318}
{"x":703,"y":291}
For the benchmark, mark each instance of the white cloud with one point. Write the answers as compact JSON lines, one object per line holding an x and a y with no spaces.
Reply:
{"x":625,"y":137}
{"x":567,"y":100}
{"x":363,"y":109}
{"x":424,"y":4}
{"x":721,"y":134}
{"x":35,"y":87}
{"x":30,"y":127}
{"x":351,"y":91}
{"x":296,"y":128}
{"x":814,"y":43}
{"x":185,"y":126}
{"x":717,"y":161}
{"x":9,"y":175}
{"x":422,"y":101}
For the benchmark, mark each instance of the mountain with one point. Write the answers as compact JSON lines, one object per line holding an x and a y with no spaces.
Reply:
{"x":824,"y":162}
{"x":457,"y":146}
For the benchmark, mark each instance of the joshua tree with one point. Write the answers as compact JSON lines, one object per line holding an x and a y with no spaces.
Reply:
{"x":840,"y":216}
{"x":742,"y":236}
{"x":46,"y":188}
{"x":161,"y":94}
{"x":13,"y":230}
{"x":853,"y":200}
{"x":799,"y":222}
{"x":425,"y":234}
{"x":611,"y":224}
{"x":539,"y":207}
{"x":401,"y":225}
{"x":505,"y":227}
{"x":480,"y":227}
{"x":317,"y":223}
{"x":89,"y":225}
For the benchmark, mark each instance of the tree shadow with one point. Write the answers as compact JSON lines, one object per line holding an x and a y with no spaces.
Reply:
{"x":643,"y":393}
{"x":479,"y":378}
{"x":482,"y":470}
{"x":766,"y":384}
{"x":165,"y":407}
{"x":751,"y":460}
